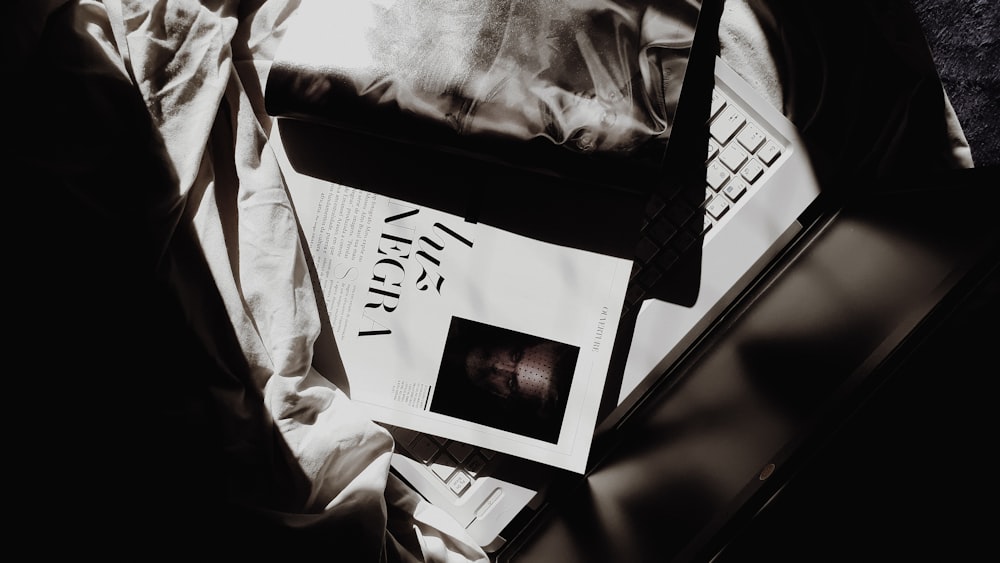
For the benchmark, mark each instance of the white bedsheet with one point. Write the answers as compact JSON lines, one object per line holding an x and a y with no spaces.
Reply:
{"x":199,"y":68}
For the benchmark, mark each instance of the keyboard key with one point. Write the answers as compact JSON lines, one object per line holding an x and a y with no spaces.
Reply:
{"x":713,"y":150}
{"x":650,"y":275}
{"x":660,"y":232}
{"x":752,"y":171}
{"x":641,"y":279}
{"x":751,"y":137}
{"x":679,"y":212}
{"x":443,"y":466}
{"x":475,"y":464}
{"x":636,"y":266}
{"x":770,"y":153}
{"x":727,"y":124}
{"x":654,"y":206}
{"x":403,"y":436}
{"x":717,"y":175}
{"x":718,"y":102}
{"x":459,"y":450}
{"x":691,"y":197}
{"x":459,"y":483}
{"x":646,"y":249}
{"x":696,"y":228}
{"x":634,"y":294}
{"x":733,"y":157}
{"x":735,"y":190}
{"x":709,"y":194}
{"x":718,"y":207}
{"x":423,"y":448}
{"x":683,"y":241}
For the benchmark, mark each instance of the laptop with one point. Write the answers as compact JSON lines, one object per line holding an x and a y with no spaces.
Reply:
{"x":758,"y":187}
{"x":869,"y":285}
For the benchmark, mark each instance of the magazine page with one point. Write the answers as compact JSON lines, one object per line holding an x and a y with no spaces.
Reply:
{"x":460,"y":329}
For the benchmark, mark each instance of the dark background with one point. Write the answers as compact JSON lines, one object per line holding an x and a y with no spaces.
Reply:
{"x":964,"y":38}
{"x":909,"y":474}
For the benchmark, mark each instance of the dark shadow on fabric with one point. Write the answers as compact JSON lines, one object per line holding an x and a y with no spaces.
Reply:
{"x":864,"y":104}
{"x":156,"y":434}
{"x":584,"y":215}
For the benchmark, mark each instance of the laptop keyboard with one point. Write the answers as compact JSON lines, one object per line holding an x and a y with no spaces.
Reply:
{"x":740,"y":152}
{"x":456,"y":464}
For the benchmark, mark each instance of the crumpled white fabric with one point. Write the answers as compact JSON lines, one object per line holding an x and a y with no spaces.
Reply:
{"x":200,"y":68}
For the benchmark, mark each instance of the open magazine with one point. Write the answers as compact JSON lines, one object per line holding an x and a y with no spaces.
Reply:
{"x":482,"y":167}
{"x":463,"y":330}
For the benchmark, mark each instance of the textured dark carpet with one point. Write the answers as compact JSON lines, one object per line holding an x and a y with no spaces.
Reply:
{"x":964,"y":38}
